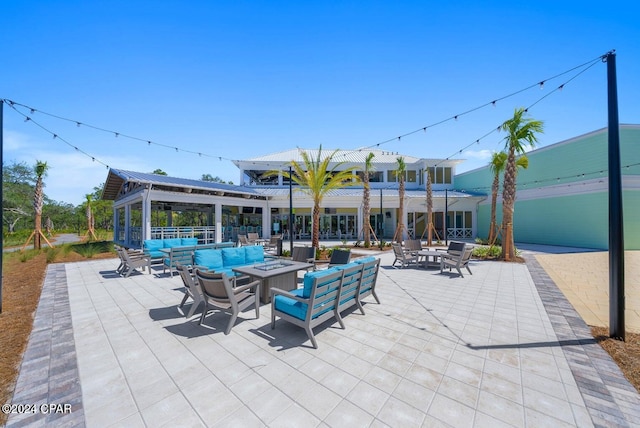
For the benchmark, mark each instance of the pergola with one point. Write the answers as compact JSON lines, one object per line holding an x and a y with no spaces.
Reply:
{"x":135,"y":192}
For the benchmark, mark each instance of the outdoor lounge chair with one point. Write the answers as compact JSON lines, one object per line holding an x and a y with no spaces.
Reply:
{"x":406,"y":258}
{"x":191,"y":289}
{"x":131,"y":260}
{"x":243,"y":240}
{"x":252,"y":237}
{"x":219,"y":291}
{"x":304,"y":254}
{"x":457,"y":261}
{"x":339,"y":257}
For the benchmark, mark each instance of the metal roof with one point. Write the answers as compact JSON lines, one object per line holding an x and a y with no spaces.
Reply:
{"x":350,"y":156}
{"x":118,"y":177}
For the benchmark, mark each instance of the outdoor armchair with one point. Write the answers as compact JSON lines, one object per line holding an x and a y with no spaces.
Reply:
{"x":131,"y":260}
{"x":405,"y":258}
{"x":219,"y":291}
{"x":191,"y":289}
{"x":457,"y":261}
{"x":339,"y":257}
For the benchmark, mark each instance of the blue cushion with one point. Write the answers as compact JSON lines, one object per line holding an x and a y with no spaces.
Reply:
{"x":233,"y":256}
{"x":212,"y":259}
{"x":253,"y":253}
{"x":153,"y":244}
{"x":291,"y":307}
{"x":309,"y":277}
{"x":188,"y":241}
{"x":363,"y":260}
{"x":173,"y":242}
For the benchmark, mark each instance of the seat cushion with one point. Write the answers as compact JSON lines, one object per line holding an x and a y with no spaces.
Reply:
{"x":291,"y":307}
{"x":153,"y":244}
{"x":233,"y":256}
{"x":172,"y":242}
{"x":211,"y":259}
{"x":253,"y":253}
{"x":363,"y":260}
{"x":188,"y":241}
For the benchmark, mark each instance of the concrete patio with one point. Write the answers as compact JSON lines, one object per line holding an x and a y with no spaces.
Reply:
{"x":501,"y":347}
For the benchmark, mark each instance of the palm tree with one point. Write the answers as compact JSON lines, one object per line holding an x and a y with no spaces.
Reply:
{"x":401,"y":169}
{"x":429,"y":210}
{"x":366,"y":199}
{"x":521,"y":134}
{"x":90,"y":219}
{"x":316,"y":177}
{"x":38,"y":202}
{"x":496,"y":165}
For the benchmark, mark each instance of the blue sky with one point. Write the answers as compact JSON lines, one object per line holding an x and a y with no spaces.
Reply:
{"x":237,"y":79}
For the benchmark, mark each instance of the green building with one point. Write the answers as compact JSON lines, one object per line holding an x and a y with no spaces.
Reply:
{"x":562,"y":198}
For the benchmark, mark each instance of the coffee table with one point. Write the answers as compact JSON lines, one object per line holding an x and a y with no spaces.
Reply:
{"x":274,"y":273}
{"x":424,"y":255}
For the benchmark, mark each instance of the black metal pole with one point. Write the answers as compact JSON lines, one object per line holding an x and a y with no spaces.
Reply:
{"x":616,"y":232}
{"x":446,"y":217}
{"x":381,"y":221}
{"x":290,"y":212}
{"x":1,"y":194}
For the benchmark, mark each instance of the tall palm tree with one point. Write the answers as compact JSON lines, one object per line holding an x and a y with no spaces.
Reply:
{"x":89,"y":215}
{"x":316,"y":177}
{"x":38,"y":202}
{"x":366,"y":199}
{"x":401,"y":169}
{"x":429,"y":210}
{"x":496,"y":165}
{"x":522,"y":133}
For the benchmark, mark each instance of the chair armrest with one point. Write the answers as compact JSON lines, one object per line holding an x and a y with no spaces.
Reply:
{"x":244,"y":287}
{"x":275,"y":291}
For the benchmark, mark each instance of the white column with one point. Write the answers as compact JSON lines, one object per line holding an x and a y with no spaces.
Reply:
{"x":266,"y":222}
{"x":146,"y":215}
{"x":127,"y":225}
{"x":218,"y":221}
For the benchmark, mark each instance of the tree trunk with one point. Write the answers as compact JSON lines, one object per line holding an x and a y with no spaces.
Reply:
{"x":508,"y":201}
{"x":400,"y":212}
{"x":315,"y":233}
{"x":366,"y":208}
{"x":37,"y":243}
{"x":494,"y":200}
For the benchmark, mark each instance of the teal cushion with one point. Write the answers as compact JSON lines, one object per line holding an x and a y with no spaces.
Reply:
{"x":153,"y":244}
{"x":363,"y":260}
{"x":291,"y":307}
{"x":211,"y":259}
{"x":173,"y":242}
{"x":253,"y":253}
{"x":310,"y":276}
{"x":188,"y":241}
{"x":233,"y":256}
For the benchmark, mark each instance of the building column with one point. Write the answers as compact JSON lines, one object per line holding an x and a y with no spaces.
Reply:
{"x":116,"y":225}
{"x":146,"y":215}
{"x":127,"y":225}
{"x":266,"y":222}
{"x":218,"y":221}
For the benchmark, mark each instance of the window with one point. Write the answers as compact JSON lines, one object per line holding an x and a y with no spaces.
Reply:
{"x":374,"y":176}
{"x":411,"y":176}
{"x":391,"y":176}
{"x":440,"y":175}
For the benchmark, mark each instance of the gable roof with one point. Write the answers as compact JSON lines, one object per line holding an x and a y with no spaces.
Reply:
{"x":117,"y":178}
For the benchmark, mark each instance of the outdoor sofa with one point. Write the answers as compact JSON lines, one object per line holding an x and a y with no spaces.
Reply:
{"x":225,"y":259}
{"x":325,"y":294}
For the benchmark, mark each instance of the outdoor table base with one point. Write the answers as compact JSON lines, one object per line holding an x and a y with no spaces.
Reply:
{"x":423,"y":258}
{"x":280,"y":274}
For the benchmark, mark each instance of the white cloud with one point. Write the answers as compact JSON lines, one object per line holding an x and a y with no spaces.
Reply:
{"x":478,"y":154}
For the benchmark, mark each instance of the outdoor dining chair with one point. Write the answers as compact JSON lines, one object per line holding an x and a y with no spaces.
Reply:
{"x":339,"y":257}
{"x":191,"y":289}
{"x":457,"y":261}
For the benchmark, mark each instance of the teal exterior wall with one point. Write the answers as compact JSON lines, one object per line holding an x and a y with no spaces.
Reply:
{"x":566,"y":216}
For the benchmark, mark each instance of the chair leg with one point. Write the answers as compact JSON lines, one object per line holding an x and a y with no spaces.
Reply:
{"x":359,"y":304}
{"x":193,"y":308}
{"x":312,"y":338}
{"x":184,"y":300}
{"x":375,"y":296}
{"x":204,"y":313}
{"x":232,"y":321}
{"x":470,"y":273}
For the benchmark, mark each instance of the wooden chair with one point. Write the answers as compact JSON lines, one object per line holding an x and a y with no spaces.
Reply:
{"x":457,"y":261}
{"x":219,"y":291}
{"x":405,"y":258}
{"x":191,"y":289}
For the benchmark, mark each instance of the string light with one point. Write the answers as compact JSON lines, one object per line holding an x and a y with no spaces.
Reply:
{"x":587,"y":64}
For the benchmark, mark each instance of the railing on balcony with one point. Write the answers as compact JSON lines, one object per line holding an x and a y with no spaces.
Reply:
{"x":205,"y":234}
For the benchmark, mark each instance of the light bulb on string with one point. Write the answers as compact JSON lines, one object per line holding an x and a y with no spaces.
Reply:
{"x":541,"y":84}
